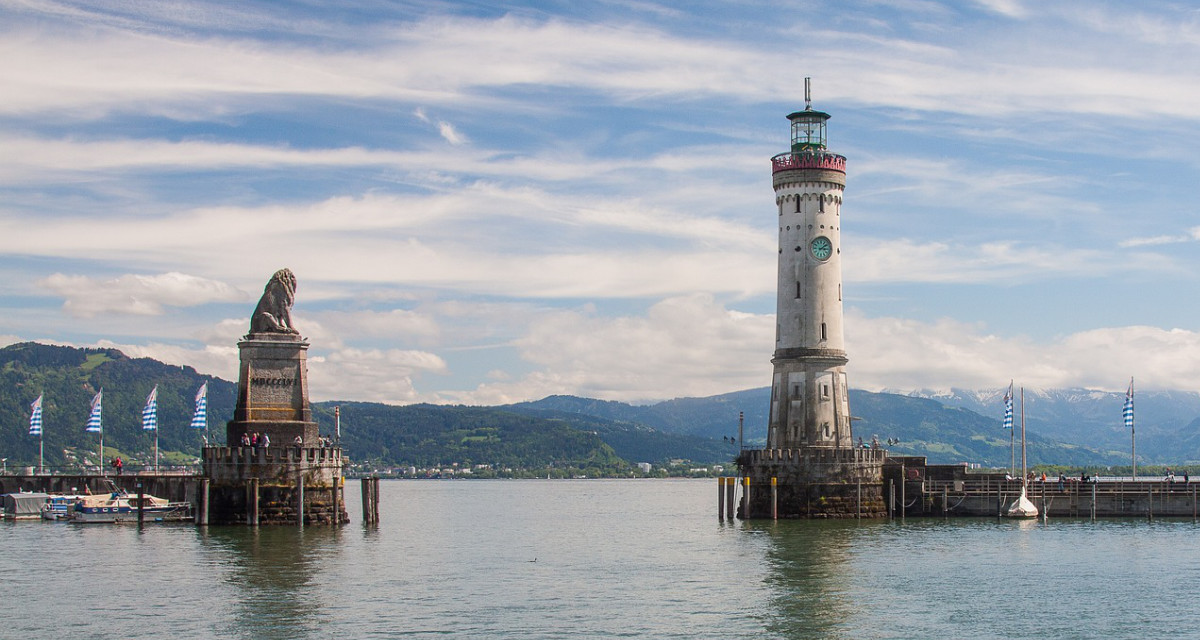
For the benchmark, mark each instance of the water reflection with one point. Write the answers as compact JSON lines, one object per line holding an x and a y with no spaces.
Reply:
{"x":811,"y":575}
{"x":274,"y":575}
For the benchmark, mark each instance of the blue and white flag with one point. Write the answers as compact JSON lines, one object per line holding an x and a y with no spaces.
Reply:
{"x":150,"y":412}
{"x":200,"y":418}
{"x":35,"y":419}
{"x":1128,"y":411}
{"x":93,"y":423}
{"x":1008,"y":409}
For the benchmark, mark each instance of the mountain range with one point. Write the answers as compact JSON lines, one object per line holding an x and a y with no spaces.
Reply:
{"x":1074,"y":427}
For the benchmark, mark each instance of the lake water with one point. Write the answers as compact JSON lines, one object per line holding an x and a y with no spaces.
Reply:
{"x":599,"y":559}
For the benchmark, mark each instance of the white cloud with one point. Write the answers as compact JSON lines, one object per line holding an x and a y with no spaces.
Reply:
{"x":137,"y":294}
{"x":907,"y":355}
{"x":381,"y":375}
{"x":683,"y":346}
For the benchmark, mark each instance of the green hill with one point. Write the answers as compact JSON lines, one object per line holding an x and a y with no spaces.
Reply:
{"x":70,"y":377}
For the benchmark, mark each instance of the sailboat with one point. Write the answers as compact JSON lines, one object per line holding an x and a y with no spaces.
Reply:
{"x":1022,"y":507}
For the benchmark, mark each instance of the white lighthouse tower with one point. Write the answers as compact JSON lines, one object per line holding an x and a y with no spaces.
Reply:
{"x":809,"y":406}
{"x":810,"y":467}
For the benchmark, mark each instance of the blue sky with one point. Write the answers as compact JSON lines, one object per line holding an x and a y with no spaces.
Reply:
{"x":487,"y":202}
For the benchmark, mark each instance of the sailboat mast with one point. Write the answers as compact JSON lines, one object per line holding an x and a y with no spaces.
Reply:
{"x":1024,"y":472}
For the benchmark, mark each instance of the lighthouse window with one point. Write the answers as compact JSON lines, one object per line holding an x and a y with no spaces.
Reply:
{"x":821,"y":200}
{"x":797,"y":205}
{"x":823,"y":331}
{"x":824,"y":391}
{"x":797,"y":289}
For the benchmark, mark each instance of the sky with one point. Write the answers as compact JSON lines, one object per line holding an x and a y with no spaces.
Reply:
{"x":486,"y":203}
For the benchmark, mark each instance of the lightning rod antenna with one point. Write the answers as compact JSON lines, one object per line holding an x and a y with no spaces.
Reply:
{"x":807,"y":94}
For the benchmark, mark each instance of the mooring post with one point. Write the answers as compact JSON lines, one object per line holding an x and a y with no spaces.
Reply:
{"x":300,"y":498}
{"x":745,"y":497}
{"x":375,"y":502}
{"x":903,"y":491}
{"x":774,"y":500}
{"x":336,"y":500}
{"x":730,"y":492}
{"x":141,"y":505}
{"x":366,"y":500}
{"x":721,"y":498}
{"x":202,"y":512}
{"x":252,"y":502}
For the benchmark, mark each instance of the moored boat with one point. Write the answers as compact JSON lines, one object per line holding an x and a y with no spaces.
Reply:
{"x":120,"y":506}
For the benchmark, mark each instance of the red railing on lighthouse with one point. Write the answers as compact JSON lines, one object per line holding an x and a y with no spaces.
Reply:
{"x":809,"y":160}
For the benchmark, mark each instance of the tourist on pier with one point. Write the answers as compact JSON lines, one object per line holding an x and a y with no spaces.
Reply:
{"x":298,"y":441}
{"x":264,"y":441}
{"x":245,"y":439}
{"x":118,"y":465}
{"x":1061,"y":482}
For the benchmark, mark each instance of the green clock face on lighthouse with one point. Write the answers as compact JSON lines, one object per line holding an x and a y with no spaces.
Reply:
{"x":822,"y":248}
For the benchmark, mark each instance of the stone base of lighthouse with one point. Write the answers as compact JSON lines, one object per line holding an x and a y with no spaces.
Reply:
{"x":812,"y":482}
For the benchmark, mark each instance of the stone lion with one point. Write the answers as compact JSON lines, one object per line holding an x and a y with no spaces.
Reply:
{"x":274,"y":311}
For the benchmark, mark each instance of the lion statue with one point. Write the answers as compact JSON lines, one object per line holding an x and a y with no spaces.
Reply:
{"x":274,"y":311}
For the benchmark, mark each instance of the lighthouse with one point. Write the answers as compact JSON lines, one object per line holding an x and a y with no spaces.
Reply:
{"x":810,"y":467}
{"x":809,"y":406}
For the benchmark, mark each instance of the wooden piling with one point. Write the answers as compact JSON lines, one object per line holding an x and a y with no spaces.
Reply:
{"x":335,"y":499}
{"x":300,"y":498}
{"x":903,"y":491}
{"x":774,"y":499}
{"x":745,"y":497}
{"x":141,"y":506}
{"x":370,"y":500}
{"x":202,"y":508}
{"x":730,"y":492}
{"x":721,"y":498}
{"x":252,"y":499}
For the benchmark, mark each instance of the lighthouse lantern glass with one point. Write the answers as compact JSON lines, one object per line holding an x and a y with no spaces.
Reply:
{"x":808,"y":133}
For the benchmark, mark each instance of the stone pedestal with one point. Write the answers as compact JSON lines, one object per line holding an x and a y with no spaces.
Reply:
{"x":273,"y":390}
{"x":814,"y":482}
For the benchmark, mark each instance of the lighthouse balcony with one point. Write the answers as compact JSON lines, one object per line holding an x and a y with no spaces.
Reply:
{"x":809,"y":159}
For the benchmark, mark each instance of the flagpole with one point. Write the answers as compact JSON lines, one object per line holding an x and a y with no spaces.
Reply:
{"x":1132,"y":437}
{"x":1012,"y":439}
{"x":1024,"y":472}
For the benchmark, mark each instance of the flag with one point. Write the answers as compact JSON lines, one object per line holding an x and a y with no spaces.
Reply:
{"x":200,"y":418}
{"x":1128,"y":411}
{"x":150,"y":412}
{"x":1008,"y":411}
{"x":93,"y":423}
{"x":35,"y":420}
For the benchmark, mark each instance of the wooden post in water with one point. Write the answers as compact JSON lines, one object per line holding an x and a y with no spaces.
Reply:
{"x":202,"y":508}
{"x":300,"y":498}
{"x":745,"y":497}
{"x":335,"y":498}
{"x":141,"y":505}
{"x":774,"y":500}
{"x":730,"y":492}
{"x":252,"y":502}
{"x":375,"y":493}
{"x":903,"y":491}
{"x":721,"y":498}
